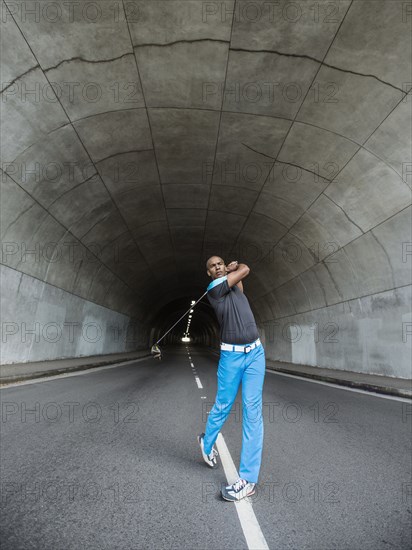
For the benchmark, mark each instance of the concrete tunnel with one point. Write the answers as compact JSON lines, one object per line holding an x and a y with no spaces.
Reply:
{"x":140,"y":139}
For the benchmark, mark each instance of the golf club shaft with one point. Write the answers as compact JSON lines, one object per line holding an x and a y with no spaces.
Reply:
{"x":191,"y":307}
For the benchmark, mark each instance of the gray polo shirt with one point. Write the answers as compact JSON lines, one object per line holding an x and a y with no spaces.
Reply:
{"x":236,"y":320}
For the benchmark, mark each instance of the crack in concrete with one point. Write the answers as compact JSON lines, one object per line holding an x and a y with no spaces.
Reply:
{"x":360,"y":146}
{"x":217,"y":138}
{"x":37,"y":230}
{"x":304,"y":56}
{"x":343,"y":249}
{"x":385,"y":162}
{"x":18,"y":77}
{"x":288,"y":163}
{"x":259,"y":153}
{"x":343,"y":302}
{"x":66,"y":232}
{"x":151,"y":44}
{"x":268,"y":217}
{"x":23,"y":273}
{"x":43,"y":135}
{"x":343,"y":211}
{"x":46,"y":218}
{"x":94,"y":225}
{"x":76,"y":120}
{"x":293,"y":122}
{"x":123,"y":153}
{"x":323,"y":178}
{"x":77,"y":274}
{"x":82,"y":59}
{"x":20,"y":281}
{"x":322,"y":288}
{"x":71,"y":189}
{"x":93,"y":278}
{"x":108,"y":288}
{"x":16,"y":220}
{"x":140,"y":249}
{"x":333,"y":280}
{"x":109,"y":243}
{"x":386,"y":254}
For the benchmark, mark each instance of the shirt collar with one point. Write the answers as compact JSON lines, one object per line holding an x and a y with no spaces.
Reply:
{"x":216,"y":282}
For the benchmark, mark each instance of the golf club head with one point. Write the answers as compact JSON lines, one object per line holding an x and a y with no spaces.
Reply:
{"x":156,"y":352}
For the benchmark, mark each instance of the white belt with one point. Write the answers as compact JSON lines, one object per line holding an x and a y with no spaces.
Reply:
{"x":244,"y":349}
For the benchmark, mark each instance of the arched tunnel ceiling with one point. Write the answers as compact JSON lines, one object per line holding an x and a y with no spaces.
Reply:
{"x":274,"y":133}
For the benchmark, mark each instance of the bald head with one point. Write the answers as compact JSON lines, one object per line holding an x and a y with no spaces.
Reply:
{"x":213,"y":259}
{"x":216,"y":267}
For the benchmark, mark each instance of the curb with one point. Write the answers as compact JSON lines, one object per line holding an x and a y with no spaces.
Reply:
{"x":348,"y":383}
{"x":365,"y":385}
{"x":4,"y":380}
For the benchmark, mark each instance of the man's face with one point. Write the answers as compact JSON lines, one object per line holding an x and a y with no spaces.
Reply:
{"x":216,"y":267}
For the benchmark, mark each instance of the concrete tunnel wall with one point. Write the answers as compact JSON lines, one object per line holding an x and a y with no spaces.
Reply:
{"x":134,"y":147}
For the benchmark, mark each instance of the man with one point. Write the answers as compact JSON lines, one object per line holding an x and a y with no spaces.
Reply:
{"x":242,"y":359}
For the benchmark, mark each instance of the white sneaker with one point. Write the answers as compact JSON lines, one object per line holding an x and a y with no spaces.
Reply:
{"x":240,"y":489}
{"x":210,"y":459}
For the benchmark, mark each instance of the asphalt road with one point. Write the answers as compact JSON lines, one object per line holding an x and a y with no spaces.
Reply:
{"x":109,"y":460}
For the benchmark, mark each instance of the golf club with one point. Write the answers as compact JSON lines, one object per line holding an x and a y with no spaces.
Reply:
{"x":155,"y":349}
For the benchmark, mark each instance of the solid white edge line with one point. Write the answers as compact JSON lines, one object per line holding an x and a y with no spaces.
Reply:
{"x":69,"y":374}
{"x":255,"y":539}
{"x":341,"y":387}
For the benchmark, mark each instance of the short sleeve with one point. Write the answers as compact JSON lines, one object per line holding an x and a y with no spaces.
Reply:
{"x":218,"y":288}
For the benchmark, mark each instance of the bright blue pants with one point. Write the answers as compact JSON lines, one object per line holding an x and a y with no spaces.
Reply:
{"x":249,"y":368}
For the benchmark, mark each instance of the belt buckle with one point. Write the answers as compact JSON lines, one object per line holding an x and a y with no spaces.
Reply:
{"x":247,"y":349}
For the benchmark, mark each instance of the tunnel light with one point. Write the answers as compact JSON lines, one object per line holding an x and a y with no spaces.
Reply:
{"x":192,"y":302}
{"x":191,"y":311}
{"x":185,"y":339}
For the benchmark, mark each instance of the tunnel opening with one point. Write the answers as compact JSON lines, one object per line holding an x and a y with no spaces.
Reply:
{"x":202,"y":329}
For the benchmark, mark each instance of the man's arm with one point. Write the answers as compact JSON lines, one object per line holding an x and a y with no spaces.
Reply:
{"x":235,"y":273}
{"x":240,"y":285}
